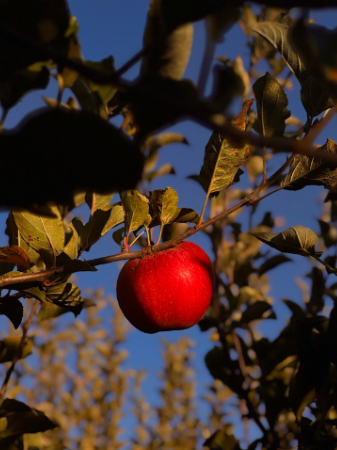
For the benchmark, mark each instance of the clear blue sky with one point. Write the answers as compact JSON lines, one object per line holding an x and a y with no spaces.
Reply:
{"x":111,"y":27}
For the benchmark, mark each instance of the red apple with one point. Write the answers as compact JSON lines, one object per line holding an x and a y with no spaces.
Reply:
{"x":169,"y":290}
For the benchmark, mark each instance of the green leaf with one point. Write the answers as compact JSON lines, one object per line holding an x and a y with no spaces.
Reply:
{"x":168,"y":52}
{"x":67,"y":296}
{"x":107,"y":67}
{"x":297,"y":240}
{"x":100,"y":223}
{"x":71,"y":131}
{"x":41,"y":232}
{"x":313,"y":98}
{"x":221,"y":440}
{"x":12,"y":309}
{"x":97,"y":201}
{"x":272,"y":105}
{"x":255,"y":311}
{"x":118,"y":236}
{"x":166,"y":169}
{"x":9,"y":347}
{"x":36,"y":293}
{"x":71,"y":247}
{"x":136,"y":207}
{"x":22,"y":419}
{"x":164,"y":203}
{"x":305,"y":171}
{"x":222,"y":160}
{"x":51,"y":311}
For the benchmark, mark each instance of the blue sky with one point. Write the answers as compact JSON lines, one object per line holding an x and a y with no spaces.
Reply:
{"x":111,"y":27}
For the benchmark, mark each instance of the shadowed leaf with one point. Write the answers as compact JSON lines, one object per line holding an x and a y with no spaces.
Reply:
{"x":14,"y":255}
{"x":273,"y":262}
{"x":298,"y":240}
{"x":78,"y":266}
{"x":85,"y":152}
{"x":9,"y":347}
{"x":222,"y":160}
{"x":12,"y":309}
{"x":67,"y":296}
{"x":313,"y":98}
{"x":220,"y":440}
{"x":272,"y":105}
{"x":255,"y":311}
{"x":305,"y":171}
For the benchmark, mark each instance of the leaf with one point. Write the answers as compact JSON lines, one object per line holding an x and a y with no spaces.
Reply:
{"x":272,"y":105}
{"x":273,"y":262}
{"x":22,"y":419}
{"x":35,"y":292}
{"x":222,"y":161}
{"x":107,"y":67}
{"x":100,"y":223}
{"x":18,"y":286}
{"x":97,"y":201}
{"x":168,"y":52}
{"x":279,"y":36}
{"x":14,"y":255}
{"x":46,"y":24}
{"x":51,"y":311}
{"x":136,"y":207}
{"x":118,"y":236}
{"x":78,"y":266}
{"x":71,"y":247}
{"x":9,"y":347}
{"x":22,"y":82}
{"x":221,"y":21}
{"x":185,"y":215}
{"x":305,"y":171}
{"x":255,"y":312}
{"x":41,"y":232}
{"x":166,"y":169}
{"x":221,"y":440}
{"x":313,"y":98}
{"x":67,"y":296}
{"x":164,"y":203}
{"x":12,"y":309}
{"x":297,"y":311}
{"x":297,"y":240}
{"x":71,"y":131}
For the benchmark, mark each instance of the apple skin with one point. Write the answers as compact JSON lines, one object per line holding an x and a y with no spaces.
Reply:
{"x":169,"y":290}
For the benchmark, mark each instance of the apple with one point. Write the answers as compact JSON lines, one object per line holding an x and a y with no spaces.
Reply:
{"x":169,"y":290}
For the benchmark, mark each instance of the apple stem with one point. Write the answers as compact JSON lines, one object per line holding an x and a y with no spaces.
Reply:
{"x":136,"y":239}
{"x":203,"y":210}
{"x":148,"y":236}
{"x":160,"y":233}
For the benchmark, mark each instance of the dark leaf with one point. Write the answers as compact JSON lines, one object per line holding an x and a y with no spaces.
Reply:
{"x":305,"y":171}
{"x":220,"y":440}
{"x":328,"y":232}
{"x":46,"y":23}
{"x":10,"y":346}
{"x":218,"y":365}
{"x":297,"y":311}
{"x":20,"y":84}
{"x":13,"y":309}
{"x":19,"y":418}
{"x":168,"y":52}
{"x":51,"y":311}
{"x":255,"y":312}
{"x":14,"y":255}
{"x":222,"y":160}
{"x":74,"y":134}
{"x":66,"y":295}
{"x":273,"y":262}
{"x":272,"y":105}
{"x":78,"y":266}
{"x":298,"y":240}
{"x":316,"y":302}
{"x":314,"y":99}
{"x":166,"y":169}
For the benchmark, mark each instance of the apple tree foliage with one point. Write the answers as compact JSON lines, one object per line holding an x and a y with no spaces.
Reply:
{"x":287,"y":387}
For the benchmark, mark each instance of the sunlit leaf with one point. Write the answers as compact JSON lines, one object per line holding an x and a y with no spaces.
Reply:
{"x":164,"y":203}
{"x":41,"y":232}
{"x":14,"y":255}
{"x":67,"y":296}
{"x":71,"y":247}
{"x":298,"y":240}
{"x":272,"y":102}
{"x":136,"y":207}
{"x":97,"y":201}
{"x":222,"y":160}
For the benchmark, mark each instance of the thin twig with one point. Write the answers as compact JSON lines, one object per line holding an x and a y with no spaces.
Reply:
{"x":18,"y":354}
